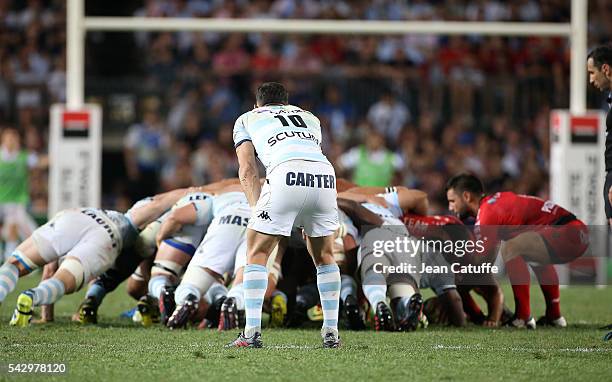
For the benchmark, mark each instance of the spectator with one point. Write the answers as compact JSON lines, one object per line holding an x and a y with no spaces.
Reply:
{"x":371,"y":163}
{"x":145,"y":146}
{"x":388,"y":116}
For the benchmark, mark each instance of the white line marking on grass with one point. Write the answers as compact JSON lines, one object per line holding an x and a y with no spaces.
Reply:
{"x":521,"y":349}
{"x":587,"y":350}
{"x":299,"y":347}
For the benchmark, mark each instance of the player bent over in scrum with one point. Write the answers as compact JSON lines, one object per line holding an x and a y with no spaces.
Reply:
{"x":136,"y":261}
{"x":215,"y":255}
{"x":87,"y":240}
{"x":533,"y":230}
{"x":403,"y":288}
{"x":300,"y":189}
{"x":179,"y":235}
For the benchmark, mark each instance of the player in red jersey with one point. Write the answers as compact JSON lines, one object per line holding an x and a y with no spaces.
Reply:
{"x":532,"y":230}
{"x":441,"y":227}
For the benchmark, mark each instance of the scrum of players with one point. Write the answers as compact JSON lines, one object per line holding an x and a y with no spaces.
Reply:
{"x":183,"y":253}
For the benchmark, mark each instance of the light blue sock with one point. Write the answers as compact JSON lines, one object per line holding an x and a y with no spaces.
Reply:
{"x":254,"y":285}
{"x":156,"y":284}
{"x":348,"y":287}
{"x":237,"y":292}
{"x":375,"y":294}
{"x":215,"y":292}
{"x":184,"y":290}
{"x":328,"y":283}
{"x":48,"y":292}
{"x":374,"y":287}
{"x":9,"y":274}
{"x":96,"y":291}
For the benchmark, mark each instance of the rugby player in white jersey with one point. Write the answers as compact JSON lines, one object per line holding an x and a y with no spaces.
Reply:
{"x":178,"y":237}
{"x":215,"y":255}
{"x":402,"y":288}
{"x":300,"y":190}
{"x":86,"y":241}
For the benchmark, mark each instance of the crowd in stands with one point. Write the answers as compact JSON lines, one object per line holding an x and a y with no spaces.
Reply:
{"x":423,"y":107}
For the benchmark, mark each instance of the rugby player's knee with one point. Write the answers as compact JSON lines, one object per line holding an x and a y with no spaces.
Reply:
{"x":26,"y":262}
{"x":72,"y":274}
{"x":168,"y":268}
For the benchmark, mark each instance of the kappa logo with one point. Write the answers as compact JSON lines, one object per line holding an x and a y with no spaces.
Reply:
{"x":264,"y":216}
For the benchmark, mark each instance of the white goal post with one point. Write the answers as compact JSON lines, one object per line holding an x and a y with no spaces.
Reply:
{"x":78,"y":25}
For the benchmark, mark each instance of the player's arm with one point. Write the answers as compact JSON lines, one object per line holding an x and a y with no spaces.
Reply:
{"x":494,"y":297}
{"x":410,"y":200}
{"x":487,"y":235}
{"x":362,"y":198}
{"x":248,"y":172}
{"x":359,"y":215}
{"x":176,"y":220}
{"x":453,"y":307}
{"x":143,"y":216}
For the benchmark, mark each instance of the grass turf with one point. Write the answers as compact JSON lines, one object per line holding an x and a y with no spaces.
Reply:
{"x":118,"y":350}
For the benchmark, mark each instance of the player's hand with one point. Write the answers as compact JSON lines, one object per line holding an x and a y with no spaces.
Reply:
{"x":610,"y":195}
{"x":490,"y":324}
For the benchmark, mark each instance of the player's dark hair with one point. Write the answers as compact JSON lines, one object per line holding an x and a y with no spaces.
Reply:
{"x":270,"y":93}
{"x":601,"y":55}
{"x":465,"y":182}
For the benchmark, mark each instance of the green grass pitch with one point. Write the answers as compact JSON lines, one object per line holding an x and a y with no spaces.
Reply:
{"x":118,"y":350}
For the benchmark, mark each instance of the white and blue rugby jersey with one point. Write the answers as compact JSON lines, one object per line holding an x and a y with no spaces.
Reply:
{"x":228,"y":199}
{"x":203,"y":204}
{"x":393,"y":205}
{"x":280,"y":133}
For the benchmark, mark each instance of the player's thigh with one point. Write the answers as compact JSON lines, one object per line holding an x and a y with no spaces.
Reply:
{"x":61,"y":234}
{"x":278,"y":205}
{"x":168,"y":252}
{"x":217,"y":251}
{"x":96,"y":254}
{"x":567,"y":242}
{"x":319,"y":215}
{"x":188,"y":239}
{"x":530,"y":245}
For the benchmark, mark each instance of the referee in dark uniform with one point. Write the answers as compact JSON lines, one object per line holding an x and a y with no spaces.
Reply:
{"x":599,"y":66}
